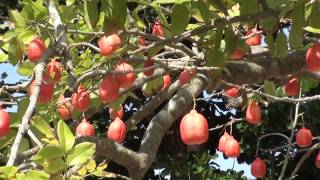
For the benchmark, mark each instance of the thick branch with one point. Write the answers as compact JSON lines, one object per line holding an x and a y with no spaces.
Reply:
{"x":32,"y":105}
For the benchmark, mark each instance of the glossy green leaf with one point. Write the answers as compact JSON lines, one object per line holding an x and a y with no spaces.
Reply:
{"x":230,"y":39}
{"x":269,"y":24}
{"x":180,"y":18}
{"x":313,"y":18}
{"x":95,"y":99}
{"x":269,"y":88}
{"x":5,"y":141}
{"x":25,"y":68}
{"x":70,"y":2}
{"x":54,"y":166}
{"x":271,"y":44}
{"x":16,"y":50}
{"x":248,"y":7}
{"x":22,"y":106}
{"x":81,"y":153}
{"x":3,"y":56}
{"x":312,"y":29}
{"x":298,"y":22}
{"x":38,"y":175}
{"x":24,"y":145}
{"x":281,"y":45}
{"x":91,"y":14}
{"x":17,"y":19}
{"x":43,"y":126}
{"x":66,"y":138}
{"x":47,"y":153}
{"x":203,"y":8}
{"x":216,"y":56}
{"x":8,"y":171}
{"x":115,"y":14}
{"x":308,"y":84}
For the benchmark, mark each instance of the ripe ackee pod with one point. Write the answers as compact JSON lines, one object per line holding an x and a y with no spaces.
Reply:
{"x":35,"y":49}
{"x":185,"y":77}
{"x":46,"y":90}
{"x":109,"y":89}
{"x":4,"y":122}
{"x":223,"y":141}
{"x":194,"y":128}
{"x":85,"y":129}
{"x":233,"y":92}
{"x":113,"y":113}
{"x":292,"y":87}
{"x":232,"y":148}
{"x":109,"y":44}
{"x":166,"y":82}
{"x":125,"y":80}
{"x":304,"y":137}
{"x":80,"y":99}
{"x":157,"y":29}
{"x":258,"y":168}
{"x":255,"y":40}
{"x":148,"y":63}
{"x":313,"y":58}
{"x":54,"y":70}
{"x":253,"y":113}
{"x":117,"y":130}
{"x":317,"y":161}
{"x":64,"y":107}
{"x":237,"y":54}
{"x":142,"y":41}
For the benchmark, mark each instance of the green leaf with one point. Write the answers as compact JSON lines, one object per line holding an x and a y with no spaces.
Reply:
{"x":81,"y":153}
{"x":91,"y":14}
{"x":38,"y":175}
{"x":55,"y":165}
{"x":8,"y":171}
{"x":24,"y":145}
{"x":216,"y":56}
{"x":297,"y":34}
{"x":16,"y":50}
{"x":180,"y":18}
{"x":4,"y":142}
{"x":95,"y":99}
{"x":203,"y":8}
{"x":308,"y":84}
{"x":27,"y":36}
{"x":17,"y":19}
{"x":248,"y":7}
{"x":230,"y":39}
{"x":269,"y":88}
{"x":281,"y":45}
{"x":43,"y":126}
{"x":269,"y":24}
{"x":312,"y":29}
{"x":70,"y":2}
{"x":3,"y":56}
{"x":271,"y":45}
{"x":66,"y":138}
{"x":115,"y":14}
{"x":25,"y":68}
{"x":22,"y":106}
{"x":313,"y":18}
{"x":47,"y":153}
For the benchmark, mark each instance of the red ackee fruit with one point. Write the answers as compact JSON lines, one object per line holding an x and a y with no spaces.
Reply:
{"x":109,"y":44}
{"x":46,"y":90}
{"x":194,"y":128}
{"x":233,"y":92}
{"x":223,"y":141}
{"x":304,"y":137}
{"x":166,"y":81}
{"x":54,"y":70}
{"x":113,"y":113}
{"x":255,"y":40}
{"x":35,"y":49}
{"x":148,"y":63}
{"x":64,"y":107}
{"x":292,"y":87}
{"x":313,"y":58}
{"x":237,"y":54}
{"x":157,"y":29}
{"x":117,"y":130}
{"x":258,"y":168}
{"x":185,"y":77}
{"x":109,"y":89}
{"x":142,"y":41}
{"x":253,"y":114}
{"x":232,"y":148}
{"x":317,"y":161}
{"x":85,"y":129}
{"x":80,"y":99}
{"x":4,"y":122}
{"x":125,"y":80}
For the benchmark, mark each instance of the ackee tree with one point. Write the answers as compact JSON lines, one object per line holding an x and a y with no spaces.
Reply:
{"x":142,"y":89}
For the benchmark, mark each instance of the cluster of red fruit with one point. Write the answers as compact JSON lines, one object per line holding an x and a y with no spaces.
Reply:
{"x":253,"y":40}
